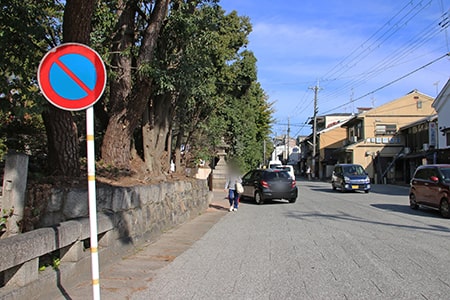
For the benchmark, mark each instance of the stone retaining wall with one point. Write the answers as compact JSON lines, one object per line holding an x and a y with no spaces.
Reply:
{"x":135,"y":210}
{"x":126,"y":215}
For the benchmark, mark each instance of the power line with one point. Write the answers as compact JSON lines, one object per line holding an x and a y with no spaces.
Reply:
{"x":406,"y":15}
{"x":392,"y":26}
{"x":390,"y":83}
{"x":394,"y":58}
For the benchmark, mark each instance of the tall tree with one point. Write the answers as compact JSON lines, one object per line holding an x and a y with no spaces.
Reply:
{"x":130,"y":90}
{"x":196,"y":81}
{"x":31,"y":29}
{"x":197,"y":58}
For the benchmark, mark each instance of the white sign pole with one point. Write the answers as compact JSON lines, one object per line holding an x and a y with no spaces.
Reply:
{"x":92,"y":201}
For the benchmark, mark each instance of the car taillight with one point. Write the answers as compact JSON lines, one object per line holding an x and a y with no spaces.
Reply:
{"x":293,"y":184}
{"x":264,"y":184}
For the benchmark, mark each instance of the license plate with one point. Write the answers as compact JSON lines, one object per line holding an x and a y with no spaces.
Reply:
{"x":355,"y":186}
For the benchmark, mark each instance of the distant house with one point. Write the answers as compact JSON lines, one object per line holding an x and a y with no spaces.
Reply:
{"x":329,"y":140}
{"x":373,"y":138}
{"x":329,"y":137}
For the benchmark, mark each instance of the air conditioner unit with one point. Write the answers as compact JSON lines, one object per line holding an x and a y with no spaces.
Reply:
{"x":353,"y":139}
{"x":425,"y":147}
{"x":406,"y":150}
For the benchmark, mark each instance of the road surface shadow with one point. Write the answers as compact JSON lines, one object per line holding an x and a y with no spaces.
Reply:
{"x":217,"y":206}
{"x":347,"y":217}
{"x":330,"y":190}
{"x":390,"y":190}
{"x":383,"y":190}
{"x":267,"y":202}
{"x":423,"y":211}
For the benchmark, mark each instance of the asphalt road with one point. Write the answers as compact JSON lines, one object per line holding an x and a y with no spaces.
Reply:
{"x":327,"y":245}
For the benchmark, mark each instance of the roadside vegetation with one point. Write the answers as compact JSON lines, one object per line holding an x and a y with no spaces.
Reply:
{"x":180,"y":81}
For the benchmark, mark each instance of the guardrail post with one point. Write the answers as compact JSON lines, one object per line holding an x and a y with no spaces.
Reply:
{"x":23,"y":274}
{"x":73,"y":253}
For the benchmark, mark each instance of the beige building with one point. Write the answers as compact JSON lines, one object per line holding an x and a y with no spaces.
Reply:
{"x":329,"y":141}
{"x":329,"y":138}
{"x":372,"y":136}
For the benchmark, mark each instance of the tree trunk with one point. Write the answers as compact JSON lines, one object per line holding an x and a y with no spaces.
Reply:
{"x":62,"y":133}
{"x":178,"y":150}
{"x":128,"y":112}
{"x":62,"y":140}
{"x":77,"y":21}
{"x":117,"y":139}
{"x":147,"y":139}
{"x":155,"y":133}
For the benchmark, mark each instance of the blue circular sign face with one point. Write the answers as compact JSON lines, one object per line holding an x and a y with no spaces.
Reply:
{"x":72,"y":76}
{"x":64,"y":85}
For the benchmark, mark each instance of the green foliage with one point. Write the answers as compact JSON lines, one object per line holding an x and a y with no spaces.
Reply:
{"x":50,"y":261}
{"x":201,"y":61}
{"x":201,"y":66}
{"x":28,"y":30}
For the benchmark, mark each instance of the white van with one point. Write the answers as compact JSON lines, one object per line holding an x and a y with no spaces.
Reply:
{"x":273,"y":164}
{"x":288,"y":168}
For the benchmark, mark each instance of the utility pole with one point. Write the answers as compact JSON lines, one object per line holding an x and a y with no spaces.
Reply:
{"x":288,"y":140}
{"x":264,"y":153}
{"x":313,"y":161}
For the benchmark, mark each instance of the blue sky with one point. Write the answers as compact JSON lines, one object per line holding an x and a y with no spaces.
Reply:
{"x":352,"y":48}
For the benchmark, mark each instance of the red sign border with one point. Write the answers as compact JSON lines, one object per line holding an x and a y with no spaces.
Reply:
{"x":44,"y":81}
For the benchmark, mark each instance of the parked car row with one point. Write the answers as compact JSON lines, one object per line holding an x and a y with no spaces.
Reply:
{"x":429,"y":187}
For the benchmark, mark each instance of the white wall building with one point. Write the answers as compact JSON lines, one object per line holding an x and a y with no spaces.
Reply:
{"x":442,"y":106}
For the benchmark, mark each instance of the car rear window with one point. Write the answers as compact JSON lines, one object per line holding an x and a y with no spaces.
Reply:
{"x":276,"y":174}
{"x":283,"y":174}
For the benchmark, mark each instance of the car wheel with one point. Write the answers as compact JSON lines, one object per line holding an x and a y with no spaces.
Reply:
{"x":332,"y":186}
{"x":444,"y":209}
{"x":292,"y":200}
{"x":412,"y":201}
{"x":258,"y":198}
{"x":366,"y":191}
{"x":342,"y":188}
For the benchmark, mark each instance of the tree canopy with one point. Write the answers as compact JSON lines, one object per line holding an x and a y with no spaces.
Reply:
{"x":180,"y":81}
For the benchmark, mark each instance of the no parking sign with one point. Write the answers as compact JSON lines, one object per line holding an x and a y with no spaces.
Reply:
{"x":72,"y":76}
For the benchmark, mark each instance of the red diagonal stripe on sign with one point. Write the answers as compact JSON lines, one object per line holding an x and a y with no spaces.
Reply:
{"x":74,"y":77}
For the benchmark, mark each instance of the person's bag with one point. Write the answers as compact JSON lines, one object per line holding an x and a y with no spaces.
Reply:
{"x":239,"y":188}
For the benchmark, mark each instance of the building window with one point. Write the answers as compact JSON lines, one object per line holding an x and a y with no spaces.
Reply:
{"x":387,"y":129}
{"x":419,"y":104}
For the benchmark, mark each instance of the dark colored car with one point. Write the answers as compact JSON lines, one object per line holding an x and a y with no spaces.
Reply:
{"x":267,"y":184}
{"x":350,"y":177}
{"x":430,"y":187}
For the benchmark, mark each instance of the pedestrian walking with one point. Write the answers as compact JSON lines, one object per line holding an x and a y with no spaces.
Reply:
{"x":308,"y":172}
{"x":233,"y":180}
